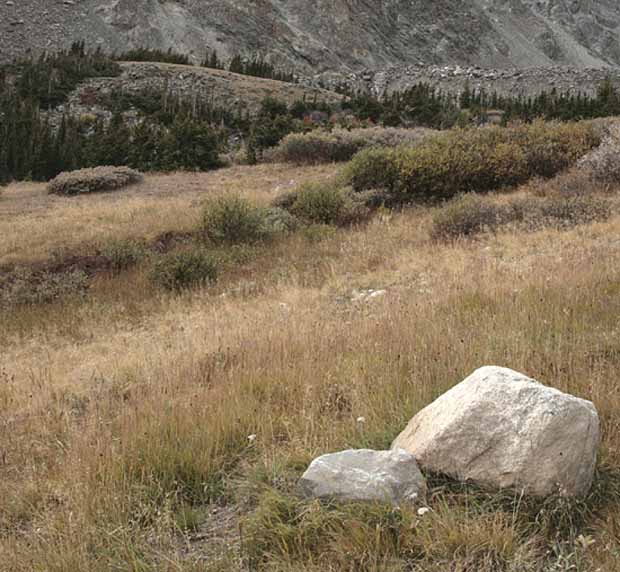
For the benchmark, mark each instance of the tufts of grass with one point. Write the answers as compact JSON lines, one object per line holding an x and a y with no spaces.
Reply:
{"x":377,"y":537}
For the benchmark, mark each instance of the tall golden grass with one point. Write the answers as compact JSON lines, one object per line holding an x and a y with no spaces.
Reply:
{"x":125,"y":416}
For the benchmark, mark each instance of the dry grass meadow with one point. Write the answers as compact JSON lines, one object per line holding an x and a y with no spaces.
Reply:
{"x":125,"y":413}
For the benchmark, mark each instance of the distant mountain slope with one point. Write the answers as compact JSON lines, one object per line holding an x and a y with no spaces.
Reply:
{"x":331,"y":34}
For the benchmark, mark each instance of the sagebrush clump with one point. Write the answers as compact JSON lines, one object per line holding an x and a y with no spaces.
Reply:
{"x":471,"y":160}
{"x":95,"y":180}
{"x":473,"y":214}
{"x":603,"y":163}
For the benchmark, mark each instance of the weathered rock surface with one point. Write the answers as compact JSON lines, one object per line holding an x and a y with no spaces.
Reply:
{"x":502,"y":429}
{"x":330,"y":34}
{"x":365,"y":475}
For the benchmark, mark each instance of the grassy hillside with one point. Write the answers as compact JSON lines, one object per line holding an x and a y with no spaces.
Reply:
{"x":146,"y":430}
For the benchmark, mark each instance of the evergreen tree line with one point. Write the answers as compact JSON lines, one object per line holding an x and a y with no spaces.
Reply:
{"x":424,"y":105}
{"x":255,"y":66}
{"x":34,"y":149}
{"x":49,"y":78}
{"x":563,"y":106}
{"x":153,"y":55}
{"x":170,"y":133}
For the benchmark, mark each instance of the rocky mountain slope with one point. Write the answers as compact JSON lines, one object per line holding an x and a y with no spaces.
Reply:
{"x":344,"y":35}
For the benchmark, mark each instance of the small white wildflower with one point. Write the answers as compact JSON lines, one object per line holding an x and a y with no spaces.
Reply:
{"x":251,"y":438}
{"x":361,"y":420}
{"x":424,"y":510}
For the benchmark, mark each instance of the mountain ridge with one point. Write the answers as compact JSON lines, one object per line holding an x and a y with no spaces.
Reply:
{"x":339,"y":35}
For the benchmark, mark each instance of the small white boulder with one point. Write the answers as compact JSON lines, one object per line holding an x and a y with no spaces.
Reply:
{"x":364,"y":475}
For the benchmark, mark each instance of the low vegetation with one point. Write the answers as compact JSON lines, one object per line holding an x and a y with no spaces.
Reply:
{"x":160,"y":419}
{"x":479,"y":160}
{"x":233,"y":220}
{"x":190,"y":267}
{"x":171,"y":132}
{"x":341,"y":144}
{"x":473,"y":214}
{"x":95,"y":180}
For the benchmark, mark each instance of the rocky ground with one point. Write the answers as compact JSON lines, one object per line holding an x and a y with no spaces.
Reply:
{"x":222,"y":87}
{"x":330,"y":35}
{"x":453,"y":79}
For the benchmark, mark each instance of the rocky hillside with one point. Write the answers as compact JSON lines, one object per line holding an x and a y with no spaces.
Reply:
{"x":238,"y":92}
{"x":344,"y":35}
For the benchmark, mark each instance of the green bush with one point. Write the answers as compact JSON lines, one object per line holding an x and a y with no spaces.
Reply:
{"x":373,"y":169}
{"x":279,"y":221}
{"x":471,"y":160}
{"x":97,"y":179}
{"x":123,"y":254}
{"x":230,"y":219}
{"x":326,"y":203}
{"x":181,"y":270}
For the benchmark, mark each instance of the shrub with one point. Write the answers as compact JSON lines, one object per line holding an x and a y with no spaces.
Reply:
{"x":472,"y":214}
{"x":97,"y":179}
{"x":341,"y":145}
{"x":373,"y":169}
{"x":315,"y":147}
{"x":326,"y":203}
{"x":180,"y":270}
{"x":278,"y":221}
{"x":565,"y":212}
{"x":319,"y":203}
{"x":471,"y":160}
{"x":123,"y":254}
{"x":466,"y":216}
{"x":26,"y":287}
{"x":234,"y":220}
{"x":603,"y":164}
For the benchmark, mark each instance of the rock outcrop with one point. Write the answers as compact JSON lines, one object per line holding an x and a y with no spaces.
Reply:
{"x":365,"y":475}
{"x":330,"y":34}
{"x":501,"y":429}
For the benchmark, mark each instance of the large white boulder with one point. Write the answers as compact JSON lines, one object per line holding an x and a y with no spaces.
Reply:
{"x":364,"y":475}
{"x":502,"y":429}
